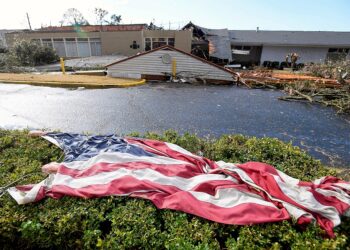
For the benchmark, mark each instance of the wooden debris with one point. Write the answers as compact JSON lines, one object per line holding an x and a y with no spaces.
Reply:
{"x":311,"y":89}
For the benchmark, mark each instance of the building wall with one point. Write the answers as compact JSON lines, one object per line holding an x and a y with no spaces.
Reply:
{"x":183,"y":38}
{"x":3,"y":42}
{"x":307,"y":54}
{"x":152,"y":64}
{"x":119,"y":42}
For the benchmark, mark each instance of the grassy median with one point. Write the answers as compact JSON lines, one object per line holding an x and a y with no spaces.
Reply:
{"x":127,"y":223}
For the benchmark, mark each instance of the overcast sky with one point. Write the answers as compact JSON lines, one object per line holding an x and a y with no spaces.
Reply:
{"x":233,"y":14}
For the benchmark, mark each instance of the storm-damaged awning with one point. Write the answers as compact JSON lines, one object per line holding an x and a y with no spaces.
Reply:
{"x":219,"y":40}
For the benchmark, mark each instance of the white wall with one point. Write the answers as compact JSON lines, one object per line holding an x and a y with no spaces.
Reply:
{"x":151,"y":64}
{"x":307,"y":54}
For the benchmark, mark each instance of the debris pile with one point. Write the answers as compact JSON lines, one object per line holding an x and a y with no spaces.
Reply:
{"x":339,"y":71}
{"x":278,"y":79}
{"x":310,"y":92}
{"x":331,"y":91}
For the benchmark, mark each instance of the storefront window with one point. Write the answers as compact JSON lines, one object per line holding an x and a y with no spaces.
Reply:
{"x":153,"y":43}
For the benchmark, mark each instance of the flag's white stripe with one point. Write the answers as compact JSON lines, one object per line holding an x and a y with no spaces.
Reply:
{"x":140,"y":174}
{"x":302,"y":196}
{"x":180,"y":150}
{"x":319,"y":181}
{"x":225,"y":198}
{"x":230,"y":197}
{"x":338,"y":193}
{"x":292,"y":210}
{"x":118,"y":157}
{"x":343,"y":185}
{"x":288,"y":179}
{"x":31,"y":195}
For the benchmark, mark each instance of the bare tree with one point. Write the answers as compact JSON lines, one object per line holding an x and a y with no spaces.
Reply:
{"x":115,"y":19}
{"x":73,"y":16}
{"x":100,"y":15}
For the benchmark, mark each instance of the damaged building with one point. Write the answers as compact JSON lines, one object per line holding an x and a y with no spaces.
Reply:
{"x":260,"y":47}
{"x":213,"y":44}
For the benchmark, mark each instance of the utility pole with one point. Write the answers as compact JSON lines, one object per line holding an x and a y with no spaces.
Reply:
{"x":30,"y":26}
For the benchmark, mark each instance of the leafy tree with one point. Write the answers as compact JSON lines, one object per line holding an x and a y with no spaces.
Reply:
{"x":73,"y":16}
{"x":115,"y":19}
{"x":100,"y":15}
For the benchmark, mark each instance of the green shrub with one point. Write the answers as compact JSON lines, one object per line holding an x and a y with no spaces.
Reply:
{"x":29,"y":53}
{"x":127,"y":223}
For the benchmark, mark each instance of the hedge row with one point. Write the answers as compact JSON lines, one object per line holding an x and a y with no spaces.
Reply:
{"x":126,"y":223}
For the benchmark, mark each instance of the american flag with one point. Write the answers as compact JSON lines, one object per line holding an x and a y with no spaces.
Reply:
{"x":174,"y":178}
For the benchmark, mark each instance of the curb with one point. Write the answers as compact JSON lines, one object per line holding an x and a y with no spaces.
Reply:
{"x":78,"y":84}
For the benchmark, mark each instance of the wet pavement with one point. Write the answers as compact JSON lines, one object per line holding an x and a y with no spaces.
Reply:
{"x":205,"y":110}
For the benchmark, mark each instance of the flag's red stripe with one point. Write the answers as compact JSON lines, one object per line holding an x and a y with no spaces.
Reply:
{"x":129,"y":184}
{"x":258,"y":171}
{"x":180,"y":170}
{"x":330,"y":201}
{"x":241,"y":214}
{"x":173,"y":198}
{"x":268,"y":183}
{"x":162,"y":147}
{"x":25,"y":188}
{"x":41,"y":194}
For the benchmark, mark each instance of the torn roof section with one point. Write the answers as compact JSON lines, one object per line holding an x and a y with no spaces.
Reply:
{"x":219,"y":40}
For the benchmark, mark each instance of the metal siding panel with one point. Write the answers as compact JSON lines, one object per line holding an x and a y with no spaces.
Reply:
{"x":151,"y":63}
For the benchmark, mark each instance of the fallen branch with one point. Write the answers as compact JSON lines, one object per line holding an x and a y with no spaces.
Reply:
{"x":303,"y":95}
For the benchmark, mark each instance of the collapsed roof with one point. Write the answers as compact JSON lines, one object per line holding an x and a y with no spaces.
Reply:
{"x":219,"y":40}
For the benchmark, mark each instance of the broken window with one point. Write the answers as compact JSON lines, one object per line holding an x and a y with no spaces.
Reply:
{"x":338,"y":50}
{"x":240,"y":47}
{"x":171,"y":42}
{"x":241,"y":50}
